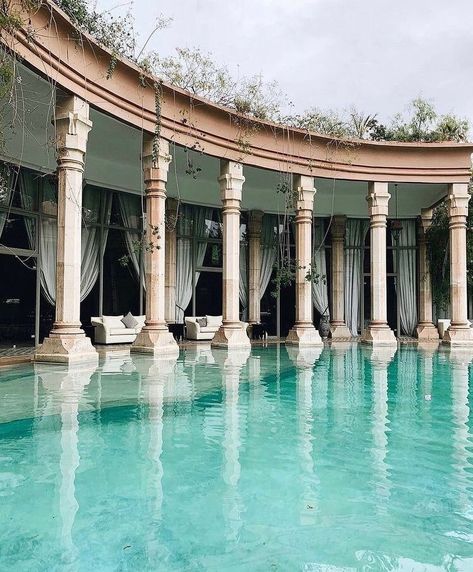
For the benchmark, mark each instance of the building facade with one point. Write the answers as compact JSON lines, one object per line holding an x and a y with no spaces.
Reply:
{"x":230,"y":209}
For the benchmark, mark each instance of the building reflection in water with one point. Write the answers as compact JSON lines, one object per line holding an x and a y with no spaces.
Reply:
{"x":460,"y":360}
{"x":304,"y":360}
{"x":380,"y":358}
{"x":65,"y":386}
{"x":231,"y":363}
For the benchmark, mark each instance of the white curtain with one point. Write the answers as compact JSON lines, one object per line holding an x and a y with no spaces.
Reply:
{"x":319,"y":288}
{"x":131,"y":212}
{"x":90,"y":237}
{"x":193,"y":220}
{"x":47,"y":235}
{"x":7,"y":184}
{"x":268,"y":251}
{"x":243,"y":283}
{"x":354,"y":240}
{"x":407,"y":276}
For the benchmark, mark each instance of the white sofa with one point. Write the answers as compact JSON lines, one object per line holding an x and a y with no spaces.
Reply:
{"x":442,"y":327}
{"x":194,"y":331}
{"x":111,"y":330}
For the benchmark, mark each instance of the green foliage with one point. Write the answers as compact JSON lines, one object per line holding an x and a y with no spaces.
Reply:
{"x":438,"y":257}
{"x":198,"y":73}
{"x":423,"y":124}
{"x":117,"y":33}
{"x":438,"y":254}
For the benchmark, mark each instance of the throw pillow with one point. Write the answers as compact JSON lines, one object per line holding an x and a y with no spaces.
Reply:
{"x":202,"y":322}
{"x":130,"y":321}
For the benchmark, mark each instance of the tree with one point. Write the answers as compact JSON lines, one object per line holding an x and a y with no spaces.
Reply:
{"x":198,"y":73}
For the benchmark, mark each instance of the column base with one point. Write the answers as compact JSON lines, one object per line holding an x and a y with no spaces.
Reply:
{"x":339,"y":330}
{"x":458,"y":335}
{"x":66,"y":348}
{"x":427,"y":332}
{"x":304,"y":336}
{"x":160,"y":342}
{"x":379,"y":335}
{"x":231,"y":336}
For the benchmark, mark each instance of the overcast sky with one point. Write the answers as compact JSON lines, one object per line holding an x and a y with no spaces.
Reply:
{"x":374,"y":54}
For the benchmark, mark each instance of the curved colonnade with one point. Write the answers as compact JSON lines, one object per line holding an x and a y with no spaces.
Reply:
{"x":252,"y":155}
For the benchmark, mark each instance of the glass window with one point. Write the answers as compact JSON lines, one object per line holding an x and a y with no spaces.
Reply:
{"x":49,"y":199}
{"x":91,"y":205}
{"x":213,"y":257}
{"x":19,"y":231}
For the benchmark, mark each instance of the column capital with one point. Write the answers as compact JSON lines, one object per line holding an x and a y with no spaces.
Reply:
{"x":378,"y":199}
{"x":231,"y":180}
{"x":425,"y":219}
{"x":156,"y":159}
{"x":338,"y":227}
{"x":304,"y":191}
{"x":255,"y":220}
{"x":458,"y":199}
{"x":72,"y":130}
{"x":171,"y":206}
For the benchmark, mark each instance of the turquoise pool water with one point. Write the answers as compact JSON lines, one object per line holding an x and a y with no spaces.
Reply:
{"x":344,"y":459}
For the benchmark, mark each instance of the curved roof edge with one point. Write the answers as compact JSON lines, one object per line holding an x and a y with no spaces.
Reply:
{"x":50,"y":45}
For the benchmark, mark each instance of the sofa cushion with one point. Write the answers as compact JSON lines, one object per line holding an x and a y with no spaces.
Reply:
{"x":130,"y":321}
{"x":122,"y":331}
{"x":141,"y":322}
{"x":208,"y":330}
{"x":202,"y":322}
{"x":214,"y":321}
{"x":113,"y":321}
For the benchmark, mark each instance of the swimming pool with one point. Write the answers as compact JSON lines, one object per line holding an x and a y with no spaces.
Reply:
{"x":333,"y":459}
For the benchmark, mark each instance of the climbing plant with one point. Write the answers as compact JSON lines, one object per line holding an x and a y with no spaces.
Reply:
{"x":438,"y":254}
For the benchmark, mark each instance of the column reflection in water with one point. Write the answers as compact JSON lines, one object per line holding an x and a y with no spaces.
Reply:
{"x":65,"y":386}
{"x":380,"y":358}
{"x":460,"y":360}
{"x":231,"y":363}
{"x":155,"y":374}
{"x":304,"y":360}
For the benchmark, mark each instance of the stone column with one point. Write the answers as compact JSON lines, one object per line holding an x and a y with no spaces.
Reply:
{"x":459,"y":332}
{"x":303,"y":332}
{"x":426,"y":331}
{"x":338,"y":328}
{"x":170,"y":262}
{"x":231,"y":333}
{"x":255,"y":220}
{"x":67,"y":342}
{"x":378,"y":331}
{"x":155,"y":336}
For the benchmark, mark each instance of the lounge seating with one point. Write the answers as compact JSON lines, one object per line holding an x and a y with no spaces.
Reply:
{"x":204,"y":327}
{"x":195,"y":330}
{"x":442,"y":326}
{"x":111,"y":330}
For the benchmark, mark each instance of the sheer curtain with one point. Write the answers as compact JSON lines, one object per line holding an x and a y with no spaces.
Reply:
{"x":268,"y":251}
{"x":90,"y":237}
{"x":319,"y":288}
{"x":243,"y":283}
{"x":6,"y":192}
{"x":355,"y":235}
{"x":131,"y":212}
{"x":193,"y":220}
{"x":407,"y":276}
{"x":47,"y":235}
{"x":90,"y":234}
